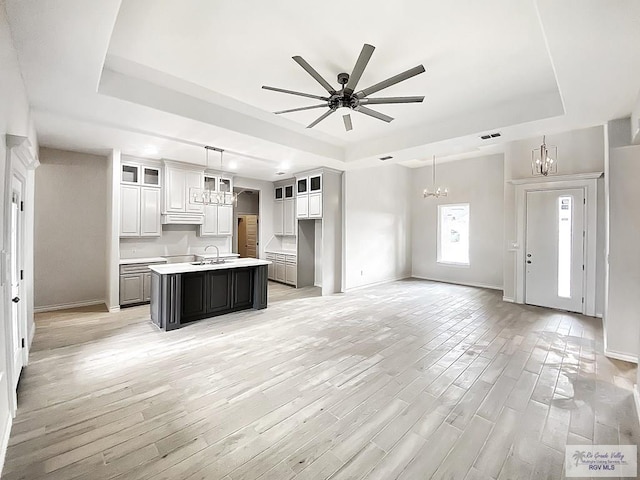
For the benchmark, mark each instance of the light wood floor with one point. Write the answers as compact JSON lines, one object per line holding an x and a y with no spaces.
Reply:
{"x":409,"y":380}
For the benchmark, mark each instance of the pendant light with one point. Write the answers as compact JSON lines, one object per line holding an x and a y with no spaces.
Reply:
{"x":214,"y":195}
{"x":437,"y":191}
{"x":544,"y":160}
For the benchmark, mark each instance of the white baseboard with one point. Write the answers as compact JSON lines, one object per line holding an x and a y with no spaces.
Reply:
{"x":114,"y":309}
{"x":636,"y":398}
{"x":381,"y":282}
{"x":508,"y":299}
{"x":4,"y":442}
{"x":32,"y":334}
{"x":625,"y":357}
{"x":466,"y":284}
{"x":66,"y":306}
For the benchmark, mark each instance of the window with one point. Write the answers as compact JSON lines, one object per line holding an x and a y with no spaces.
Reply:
{"x":565,"y":205}
{"x":453,"y":234}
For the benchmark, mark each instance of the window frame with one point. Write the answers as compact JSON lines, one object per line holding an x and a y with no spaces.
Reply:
{"x":439,"y":260}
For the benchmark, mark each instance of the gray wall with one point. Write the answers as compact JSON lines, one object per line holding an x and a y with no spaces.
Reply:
{"x":70,"y":228}
{"x":480,"y":183}
{"x":248,"y":204}
{"x":377,"y":225}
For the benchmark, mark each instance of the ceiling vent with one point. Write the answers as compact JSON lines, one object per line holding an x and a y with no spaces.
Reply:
{"x":279,"y":173}
{"x":388,"y":157}
{"x":490,"y":135}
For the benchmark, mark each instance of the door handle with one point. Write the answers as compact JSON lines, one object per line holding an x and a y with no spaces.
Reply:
{"x":15,"y":299}
{"x":528,"y":261}
{"x":528,"y":255}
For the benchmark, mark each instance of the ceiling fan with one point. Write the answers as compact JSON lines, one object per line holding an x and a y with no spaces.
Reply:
{"x":347,"y":97}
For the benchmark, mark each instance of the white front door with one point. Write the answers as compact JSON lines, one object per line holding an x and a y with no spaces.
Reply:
{"x":16,"y":288}
{"x":554,"y":251}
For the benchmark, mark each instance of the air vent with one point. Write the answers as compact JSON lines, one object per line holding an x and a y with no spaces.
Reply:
{"x":388,"y":157}
{"x":490,"y":135}
{"x":279,"y":173}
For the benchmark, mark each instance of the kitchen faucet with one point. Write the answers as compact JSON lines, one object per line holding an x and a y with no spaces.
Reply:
{"x":217,"y":253}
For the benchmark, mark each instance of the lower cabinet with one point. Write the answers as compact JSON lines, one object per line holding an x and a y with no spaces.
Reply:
{"x":272,"y":266}
{"x":135,"y":284}
{"x":131,"y":289}
{"x":209,"y":293}
{"x":284,"y":268}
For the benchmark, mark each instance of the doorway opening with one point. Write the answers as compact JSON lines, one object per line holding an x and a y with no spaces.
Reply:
{"x":246,"y":226}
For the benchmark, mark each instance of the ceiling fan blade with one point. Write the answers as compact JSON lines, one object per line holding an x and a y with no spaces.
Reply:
{"x":374,"y":114}
{"x":291,"y":92}
{"x":361,"y":64}
{"x":347,"y":122}
{"x":320,"y":118}
{"x":382,"y":100}
{"x":311,"y":71}
{"x":412,"y":72}
{"x":300,"y":109}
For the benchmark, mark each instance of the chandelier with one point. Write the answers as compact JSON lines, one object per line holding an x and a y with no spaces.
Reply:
{"x":544,"y":159}
{"x":214,"y":193}
{"x":437,"y":191}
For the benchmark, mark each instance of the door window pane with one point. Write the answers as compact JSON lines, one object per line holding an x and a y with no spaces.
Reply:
{"x":453,"y":234}
{"x":565,"y":209}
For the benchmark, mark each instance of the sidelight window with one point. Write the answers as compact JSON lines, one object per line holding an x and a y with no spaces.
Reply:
{"x":453,"y":234}
{"x":565,"y":208}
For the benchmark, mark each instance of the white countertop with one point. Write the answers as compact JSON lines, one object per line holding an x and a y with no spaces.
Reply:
{"x":172,"y":268}
{"x":132,"y":261}
{"x":281,"y":252}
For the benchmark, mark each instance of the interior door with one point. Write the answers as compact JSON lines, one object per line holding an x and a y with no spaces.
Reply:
{"x":242,"y":236}
{"x":251,"y":222}
{"x":16,"y":287}
{"x":554,"y":251}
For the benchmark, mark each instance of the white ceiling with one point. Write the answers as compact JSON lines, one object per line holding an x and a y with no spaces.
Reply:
{"x":162,"y":79}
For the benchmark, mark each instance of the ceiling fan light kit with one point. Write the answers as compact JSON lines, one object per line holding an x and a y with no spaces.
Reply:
{"x":346,"y":96}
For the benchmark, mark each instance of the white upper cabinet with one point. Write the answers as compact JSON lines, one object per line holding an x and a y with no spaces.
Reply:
{"x":289,"y":215}
{"x":140,"y":201}
{"x":129,"y":211}
{"x":150,"y":212}
{"x":179,"y":200}
{"x":278,"y":218}
{"x":309,"y":195}
{"x":225,"y":219}
{"x":315,"y":205}
{"x":284,"y":208}
{"x":193,"y":180}
{"x":175,"y":194}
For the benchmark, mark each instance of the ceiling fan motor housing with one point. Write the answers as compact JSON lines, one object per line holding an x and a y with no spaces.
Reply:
{"x":343,"y":78}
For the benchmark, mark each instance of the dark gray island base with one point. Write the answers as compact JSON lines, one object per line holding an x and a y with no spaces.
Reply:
{"x":183,"y":293}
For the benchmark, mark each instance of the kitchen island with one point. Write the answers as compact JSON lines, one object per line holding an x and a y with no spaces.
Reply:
{"x":184,"y":292}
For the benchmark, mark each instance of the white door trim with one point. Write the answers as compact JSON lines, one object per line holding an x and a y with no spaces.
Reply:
{"x":21,"y":162}
{"x":589,"y":182}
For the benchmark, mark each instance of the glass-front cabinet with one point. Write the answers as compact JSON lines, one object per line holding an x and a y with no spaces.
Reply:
{"x":135,"y":174}
{"x":302,"y":186}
